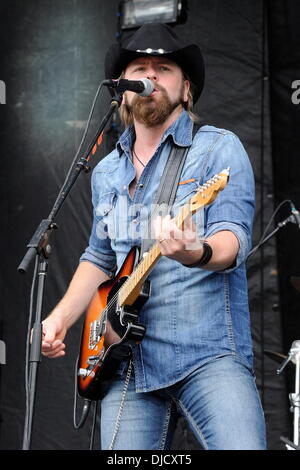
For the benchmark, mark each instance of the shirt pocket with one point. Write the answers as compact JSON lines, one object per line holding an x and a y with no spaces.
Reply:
{"x":185,"y":191}
{"x":104,"y":212}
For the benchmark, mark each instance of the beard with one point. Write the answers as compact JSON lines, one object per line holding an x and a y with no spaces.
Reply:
{"x":153,"y":112}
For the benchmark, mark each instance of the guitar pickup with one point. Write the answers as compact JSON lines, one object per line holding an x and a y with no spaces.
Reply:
{"x":97,"y":329}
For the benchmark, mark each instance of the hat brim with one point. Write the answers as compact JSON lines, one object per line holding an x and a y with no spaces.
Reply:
{"x":189,"y":58}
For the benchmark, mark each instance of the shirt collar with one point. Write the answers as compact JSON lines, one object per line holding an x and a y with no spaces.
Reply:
{"x":181,"y":132}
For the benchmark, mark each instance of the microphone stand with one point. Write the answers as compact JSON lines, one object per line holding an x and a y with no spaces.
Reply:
{"x":39,"y":247}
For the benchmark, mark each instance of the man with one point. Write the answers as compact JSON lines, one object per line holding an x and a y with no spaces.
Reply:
{"x":196,"y":356}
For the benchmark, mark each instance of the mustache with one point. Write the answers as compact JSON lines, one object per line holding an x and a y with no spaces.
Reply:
{"x":158,"y":87}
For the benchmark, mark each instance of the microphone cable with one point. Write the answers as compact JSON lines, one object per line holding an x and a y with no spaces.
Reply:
{"x":80,"y":145}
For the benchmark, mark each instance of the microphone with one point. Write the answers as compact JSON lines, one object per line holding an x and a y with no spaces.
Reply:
{"x":295,"y":214}
{"x":143,"y":87}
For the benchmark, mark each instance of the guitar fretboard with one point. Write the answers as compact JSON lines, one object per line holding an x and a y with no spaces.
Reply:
{"x":130,"y":290}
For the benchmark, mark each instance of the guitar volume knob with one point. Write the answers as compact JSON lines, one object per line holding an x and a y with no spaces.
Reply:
{"x":85,"y":373}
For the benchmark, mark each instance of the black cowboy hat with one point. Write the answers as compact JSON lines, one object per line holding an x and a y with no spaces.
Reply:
{"x":159,"y":40}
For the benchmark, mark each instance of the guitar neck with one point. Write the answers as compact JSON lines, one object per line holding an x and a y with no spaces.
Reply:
{"x":206,"y":194}
{"x":131,"y":288}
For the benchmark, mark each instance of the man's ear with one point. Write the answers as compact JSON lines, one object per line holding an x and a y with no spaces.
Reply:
{"x":186,"y":89}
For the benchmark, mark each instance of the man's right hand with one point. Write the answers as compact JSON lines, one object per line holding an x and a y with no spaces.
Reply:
{"x":54,"y":332}
{"x":83,"y":286}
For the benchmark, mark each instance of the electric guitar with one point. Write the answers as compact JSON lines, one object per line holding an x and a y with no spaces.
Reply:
{"x":111,"y":326}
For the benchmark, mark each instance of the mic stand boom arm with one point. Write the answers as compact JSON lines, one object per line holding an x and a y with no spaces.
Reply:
{"x":40,"y":248}
{"x":267,"y":238}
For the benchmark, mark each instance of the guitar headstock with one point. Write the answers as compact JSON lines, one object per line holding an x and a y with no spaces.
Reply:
{"x":207,"y":193}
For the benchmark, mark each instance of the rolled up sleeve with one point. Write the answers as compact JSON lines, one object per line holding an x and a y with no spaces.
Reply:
{"x":233,"y":208}
{"x":99,"y":251}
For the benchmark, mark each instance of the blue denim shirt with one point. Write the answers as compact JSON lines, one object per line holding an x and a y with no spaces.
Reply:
{"x":192,"y":315}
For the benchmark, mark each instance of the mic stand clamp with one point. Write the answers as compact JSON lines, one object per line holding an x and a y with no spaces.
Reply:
{"x":294,"y":356}
{"x":278,"y":227}
{"x":290,"y":445}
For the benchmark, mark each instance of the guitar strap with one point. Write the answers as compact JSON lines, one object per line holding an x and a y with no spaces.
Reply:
{"x":165,"y":195}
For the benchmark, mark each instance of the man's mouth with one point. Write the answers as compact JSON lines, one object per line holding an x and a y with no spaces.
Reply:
{"x":156,"y":90}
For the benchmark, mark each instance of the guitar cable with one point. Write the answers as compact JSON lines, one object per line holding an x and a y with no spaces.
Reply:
{"x":94,"y":424}
{"x":85,"y":411}
{"x":86,"y":404}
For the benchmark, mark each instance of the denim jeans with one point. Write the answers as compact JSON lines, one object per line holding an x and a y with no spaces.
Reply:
{"x":219,"y":400}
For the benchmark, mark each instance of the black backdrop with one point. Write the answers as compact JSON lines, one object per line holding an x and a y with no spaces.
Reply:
{"x":51,"y":60}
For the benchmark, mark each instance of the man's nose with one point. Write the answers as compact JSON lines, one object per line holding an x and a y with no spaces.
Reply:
{"x":151,"y":74}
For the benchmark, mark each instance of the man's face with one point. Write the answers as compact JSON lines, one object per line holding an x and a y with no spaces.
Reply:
{"x":170,"y":91}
